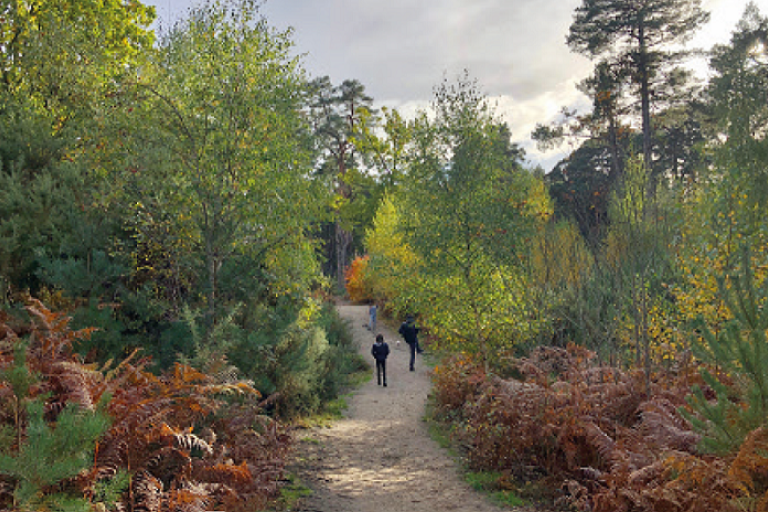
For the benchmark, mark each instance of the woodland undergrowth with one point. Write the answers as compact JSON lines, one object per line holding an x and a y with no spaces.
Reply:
{"x":599,"y":438}
{"x":76,"y":436}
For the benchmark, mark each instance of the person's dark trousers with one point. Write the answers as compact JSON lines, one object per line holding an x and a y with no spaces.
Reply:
{"x":413,"y":347}
{"x":381,"y":371}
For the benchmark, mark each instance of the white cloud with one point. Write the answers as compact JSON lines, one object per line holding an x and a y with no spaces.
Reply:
{"x":522,"y":117}
{"x":401,"y":49}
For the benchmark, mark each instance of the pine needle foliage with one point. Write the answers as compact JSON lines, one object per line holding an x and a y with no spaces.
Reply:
{"x":738,"y":375}
{"x":51,"y":453}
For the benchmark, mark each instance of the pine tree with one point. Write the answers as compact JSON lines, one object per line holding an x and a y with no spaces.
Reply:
{"x":740,"y":352}
{"x":638,"y":35}
{"x":50,"y":455}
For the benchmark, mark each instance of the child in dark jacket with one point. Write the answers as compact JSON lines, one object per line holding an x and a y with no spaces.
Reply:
{"x":380,"y":351}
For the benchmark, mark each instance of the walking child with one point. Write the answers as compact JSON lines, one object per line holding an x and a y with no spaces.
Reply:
{"x":380,"y":351}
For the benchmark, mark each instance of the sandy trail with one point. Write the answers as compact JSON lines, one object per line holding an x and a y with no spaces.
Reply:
{"x":379,"y":457}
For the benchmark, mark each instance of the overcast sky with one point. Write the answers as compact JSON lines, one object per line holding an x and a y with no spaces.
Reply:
{"x":401,"y":49}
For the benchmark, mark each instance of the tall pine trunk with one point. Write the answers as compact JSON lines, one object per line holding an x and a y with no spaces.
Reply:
{"x":343,"y":239}
{"x":645,"y":99}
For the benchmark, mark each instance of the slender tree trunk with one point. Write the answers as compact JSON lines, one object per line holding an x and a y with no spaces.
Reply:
{"x":645,"y":98}
{"x":636,"y":320}
{"x":613,"y":142}
{"x":212,"y":265}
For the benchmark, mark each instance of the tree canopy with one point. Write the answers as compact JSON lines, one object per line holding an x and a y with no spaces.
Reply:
{"x":640,"y":37}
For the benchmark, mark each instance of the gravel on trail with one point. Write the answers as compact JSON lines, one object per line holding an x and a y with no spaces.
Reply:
{"x":379,"y":457}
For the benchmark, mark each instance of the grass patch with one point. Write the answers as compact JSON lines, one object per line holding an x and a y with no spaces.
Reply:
{"x":441,"y":435}
{"x":507,"y":499}
{"x":335,"y":408}
{"x":493,"y":484}
{"x":481,"y":481}
{"x":332,"y":411}
{"x":363,"y":374}
{"x":440,"y":431}
{"x":291,"y":494}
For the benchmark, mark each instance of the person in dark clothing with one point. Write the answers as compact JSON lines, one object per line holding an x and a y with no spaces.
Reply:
{"x":410,"y":334}
{"x":372,"y":318}
{"x":380,"y":351}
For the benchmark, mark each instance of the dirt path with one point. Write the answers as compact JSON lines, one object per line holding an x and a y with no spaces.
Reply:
{"x":380,"y":458}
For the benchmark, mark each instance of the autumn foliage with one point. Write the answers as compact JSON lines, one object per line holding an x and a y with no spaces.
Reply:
{"x":178,"y":441}
{"x":599,"y":438}
{"x":355,"y":279}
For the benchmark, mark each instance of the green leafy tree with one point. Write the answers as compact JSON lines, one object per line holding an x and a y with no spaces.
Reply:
{"x":63,"y":65}
{"x":37,"y":36}
{"x":226,"y":152}
{"x":385,"y":150}
{"x":638,"y":257}
{"x":469,"y":213}
{"x":385,"y":143}
{"x":725,"y":205}
{"x":637,"y":35}
{"x":393,"y":265}
{"x":632,"y":251}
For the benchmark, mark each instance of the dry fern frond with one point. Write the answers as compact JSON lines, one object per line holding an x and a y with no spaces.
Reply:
{"x":226,"y":473}
{"x":749,"y":470}
{"x":515,"y":390}
{"x":191,"y":498}
{"x":236,"y":464}
{"x":7,"y":337}
{"x":170,"y":465}
{"x":187,"y":441}
{"x":575,"y":496}
{"x":76,"y":383}
{"x":647,"y":474}
{"x":147,"y":492}
{"x":606,"y":446}
{"x":663,"y":426}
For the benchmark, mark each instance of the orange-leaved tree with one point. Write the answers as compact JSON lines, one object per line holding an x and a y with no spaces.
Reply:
{"x":356,"y":280}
